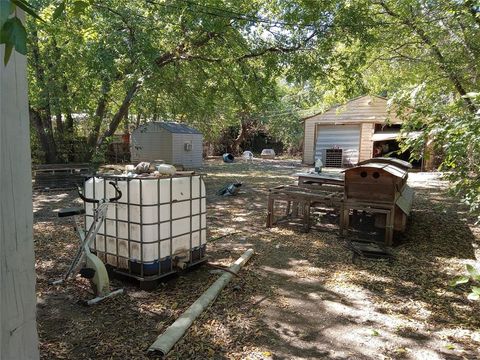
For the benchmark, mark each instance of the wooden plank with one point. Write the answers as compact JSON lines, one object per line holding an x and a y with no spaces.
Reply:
{"x":17,"y":273}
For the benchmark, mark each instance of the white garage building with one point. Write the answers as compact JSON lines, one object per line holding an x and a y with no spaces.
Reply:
{"x":345,"y":134}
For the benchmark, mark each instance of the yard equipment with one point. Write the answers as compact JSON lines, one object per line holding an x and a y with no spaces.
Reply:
{"x":230,"y":189}
{"x":85,"y":263}
{"x":228,"y":158}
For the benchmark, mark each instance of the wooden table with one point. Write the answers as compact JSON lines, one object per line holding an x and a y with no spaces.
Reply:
{"x":314,"y":179}
{"x":300,"y":198}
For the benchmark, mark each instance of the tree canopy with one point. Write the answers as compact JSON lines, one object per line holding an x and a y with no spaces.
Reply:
{"x":96,"y":66}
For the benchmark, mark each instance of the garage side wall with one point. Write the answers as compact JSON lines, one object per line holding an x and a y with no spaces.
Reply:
{"x":18,"y":332}
{"x":366,"y":143}
{"x":309,"y":141}
{"x":197,"y":156}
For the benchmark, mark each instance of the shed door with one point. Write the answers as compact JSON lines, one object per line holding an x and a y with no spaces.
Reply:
{"x":341,"y":137}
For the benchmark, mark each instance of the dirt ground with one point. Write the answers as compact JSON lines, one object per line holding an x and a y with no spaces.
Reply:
{"x":300,"y":297}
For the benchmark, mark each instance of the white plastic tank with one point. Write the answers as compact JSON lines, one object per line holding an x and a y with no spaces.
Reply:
{"x":155,"y":218}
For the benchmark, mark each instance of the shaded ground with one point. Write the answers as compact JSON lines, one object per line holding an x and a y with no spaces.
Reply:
{"x":300,"y":297}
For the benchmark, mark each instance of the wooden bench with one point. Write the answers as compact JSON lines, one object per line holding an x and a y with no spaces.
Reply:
{"x":59,"y":176}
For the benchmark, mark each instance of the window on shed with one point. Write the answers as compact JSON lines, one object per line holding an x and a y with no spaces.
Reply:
{"x":333,"y":158}
{"x":187,"y":146}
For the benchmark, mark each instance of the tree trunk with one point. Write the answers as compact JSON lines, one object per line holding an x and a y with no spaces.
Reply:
{"x":69,"y":134}
{"x":36,"y":121}
{"x":18,"y":333}
{"x":245,"y":127}
{"x":59,"y":123}
{"x":99,"y":114}
{"x":46,"y":117}
{"x":126,"y":123}
{"x":69,"y":122}
{"x":122,"y":111}
{"x":137,"y":120}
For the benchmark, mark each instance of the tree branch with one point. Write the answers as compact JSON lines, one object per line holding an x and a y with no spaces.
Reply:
{"x":121,"y":112}
{"x":442,"y":62}
{"x":279,"y":49}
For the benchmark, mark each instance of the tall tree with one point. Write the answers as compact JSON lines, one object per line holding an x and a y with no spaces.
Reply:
{"x":136,"y":54}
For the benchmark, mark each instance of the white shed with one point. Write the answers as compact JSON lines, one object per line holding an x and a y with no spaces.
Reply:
{"x":175,"y":143}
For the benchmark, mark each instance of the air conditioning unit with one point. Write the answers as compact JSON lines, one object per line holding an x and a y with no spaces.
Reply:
{"x":187,"y":146}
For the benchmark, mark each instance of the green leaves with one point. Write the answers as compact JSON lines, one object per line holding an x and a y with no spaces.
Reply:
{"x":473,"y":272}
{"x":27,"y":8}
{"x":474,"y":296}
{"x":6,"y":8}
{"x":12,"y":31}
{"x":13,"y":35}
{"x":459,"y":280}
{"x":79,"y":7}
{"x":474,"y":276}
{"x":58,"y":11}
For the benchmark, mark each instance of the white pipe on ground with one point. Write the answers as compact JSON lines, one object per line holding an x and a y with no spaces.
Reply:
{"x":164,"y":343}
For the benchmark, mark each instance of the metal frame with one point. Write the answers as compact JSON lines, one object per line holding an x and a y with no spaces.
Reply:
{"x":373,"y":208}
{"x":165,"y":263}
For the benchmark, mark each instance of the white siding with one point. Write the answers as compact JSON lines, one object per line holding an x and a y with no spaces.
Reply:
{"x":345,"y":137}
{"x":189,"y":159}
{"x":197,"y":151}
{"x":152,"y":144}
{"x":309,"y":142}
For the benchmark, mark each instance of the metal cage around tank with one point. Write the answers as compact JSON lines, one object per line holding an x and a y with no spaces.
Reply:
{"x":185,"y":233}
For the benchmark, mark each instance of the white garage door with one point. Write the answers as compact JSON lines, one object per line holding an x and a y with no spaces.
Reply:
{"x":338,"y":145}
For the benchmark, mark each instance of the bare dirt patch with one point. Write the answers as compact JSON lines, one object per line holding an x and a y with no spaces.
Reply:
{"x":300,"y":297}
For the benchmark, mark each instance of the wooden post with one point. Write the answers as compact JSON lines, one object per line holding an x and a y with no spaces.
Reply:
{"x":270,"y":209}
{"x":390,"y":220}
{"x":306,"y":215}
{"x":17,"y":266}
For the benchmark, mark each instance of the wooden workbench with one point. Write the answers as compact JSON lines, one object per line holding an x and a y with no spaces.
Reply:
{"x":314,"y":179}
{"x":300,"y":200}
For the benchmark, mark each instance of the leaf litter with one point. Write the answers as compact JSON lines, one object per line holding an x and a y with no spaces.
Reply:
{"x":413,"y":292}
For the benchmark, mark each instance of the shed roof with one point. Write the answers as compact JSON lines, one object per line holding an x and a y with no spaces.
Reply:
{"x":172,"y":127}
{"x":366,"y":108}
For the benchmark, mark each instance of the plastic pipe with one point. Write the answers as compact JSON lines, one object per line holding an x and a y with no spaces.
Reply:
{"x":164,"y":343}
